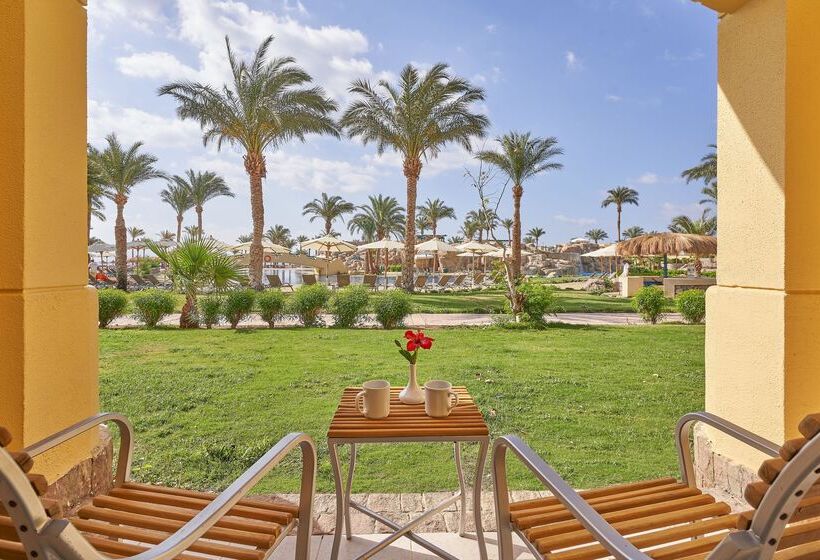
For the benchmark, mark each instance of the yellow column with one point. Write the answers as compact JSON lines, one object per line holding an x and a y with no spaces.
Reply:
{"x":762,"y":343}
{"x":48,"y":335}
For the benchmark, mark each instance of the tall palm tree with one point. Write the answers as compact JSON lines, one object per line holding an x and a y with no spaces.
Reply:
{"x":710,"y":191}
{"x":596,"y":235}
{"x":416,"y":118}
{"x":193,"y":231}
{"x":620,"y":196}
{"x":382,"y":217}
{"x":178,"y":197}
{"x":521,"y":157}
{"x":329,"y":209}
{"x":507,"y":224}
{"x":135,"y":232}
{"x":485,"y":220}
{"x":244,"y":238}
{"x":120,"y":170}
{"x":280,"y":235}
{"x":96,"y":191}
{"x":633,"y":231}
{"x":469,"y":228}
{"x":269,"y":103}
{"x":166,"y":235}
{"x":705,"y":225}
{"x":434,"y":211}
{"x":202,"y":186}
{"x":706,"y":170}
{"x":536,"y":233}
{"x":422,"y":224}
{"x":456,"y":239}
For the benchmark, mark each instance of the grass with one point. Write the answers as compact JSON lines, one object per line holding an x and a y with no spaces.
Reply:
{"x":599,"y":403}
{"x":493,"y":301}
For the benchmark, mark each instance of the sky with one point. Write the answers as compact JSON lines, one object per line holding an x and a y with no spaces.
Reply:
{"x":627,"y":86}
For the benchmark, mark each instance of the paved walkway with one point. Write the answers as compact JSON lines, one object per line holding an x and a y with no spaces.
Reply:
{"x":434,"y":320}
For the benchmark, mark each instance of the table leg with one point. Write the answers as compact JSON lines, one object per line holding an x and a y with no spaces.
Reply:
{"x":477,"y":483}
{"x":337,"y":478}
{"x":350,"y":470}
{"x":462,"y":485}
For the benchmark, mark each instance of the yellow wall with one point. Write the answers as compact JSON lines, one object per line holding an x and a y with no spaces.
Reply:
{"x":48,"y":337}
{"x":762,"y":354}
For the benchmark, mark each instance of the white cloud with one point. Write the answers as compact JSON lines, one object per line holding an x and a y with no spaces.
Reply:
{"x":145,"y":15}
{"x":691,"y":56}
{"x":648,"y":178}
{"x":298,"y":7}
{"x":612,"y":98}
{"x":133,"y":124}
{"x":155,"y":64}
{"x":670,"y":209}
{"x":573,"y":62}
{"x":575,"y":221}
{"x":491,"y":28}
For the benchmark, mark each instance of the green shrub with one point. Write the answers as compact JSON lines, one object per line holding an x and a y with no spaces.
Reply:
{"x":649,"y":302}
{"x":307,"y":302}
{"x":113,"y":304}
{"x":210,"y":310}
{"x":392,"y":307}
{"x":348,"y":305}
{"x":271,"y":304}
{"x":147,"y":265}
{"x":539,"y":300}
{"x":150,"y":306}
{"x":691,"y":305}
{"x":237,"y":305}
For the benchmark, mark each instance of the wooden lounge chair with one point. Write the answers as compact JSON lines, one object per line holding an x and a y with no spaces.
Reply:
{"x":458,"y":282}
{"x":154,"y":522}
{"x":369,"y":281}
{"x":138,"y":281}
{"x":157,"y":282}
{"x":342,"y":280}
{"x":308,"y":279}
{"x":275,"y":282}
{"x":667,"y":519}
{"x":397,"y":284}
{"x":421,"y":282}
{"x":442,"y":283}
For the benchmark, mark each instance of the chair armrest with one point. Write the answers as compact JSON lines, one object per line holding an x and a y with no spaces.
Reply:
{"x":684,"y":432}
{"x":604,"y":533}
{"x":126,"y":440}
{"x":186,"y":535}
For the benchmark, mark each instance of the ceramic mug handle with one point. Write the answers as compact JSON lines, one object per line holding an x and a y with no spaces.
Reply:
{"x":359,"y":401}
{"x":455,"y":404}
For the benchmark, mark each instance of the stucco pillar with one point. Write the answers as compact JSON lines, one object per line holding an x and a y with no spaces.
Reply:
{"x":48,"y":334}
{"x":762,"y":338}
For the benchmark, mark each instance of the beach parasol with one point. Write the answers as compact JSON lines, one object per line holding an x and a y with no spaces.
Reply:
{"x":668,"y":243}
{"x":436,"y":246}
{"x":328,"y":244}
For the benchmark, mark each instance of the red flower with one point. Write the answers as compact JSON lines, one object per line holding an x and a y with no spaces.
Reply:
{"x":416,"y":340}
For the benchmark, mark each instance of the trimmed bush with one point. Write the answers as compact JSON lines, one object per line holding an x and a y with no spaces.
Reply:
{"x":113,"y":303}
{"x":307,"y":302}
{"x":691,"y":305}
{"x":210,"y":310}
{"x":649,"y":302}
{"x":392,"y":307}
{"x":150,"y":306}
{"x":539,"y":300}
{"x":237,"y":305}
{"x":348,"y":305}
{"x":271,"y":304}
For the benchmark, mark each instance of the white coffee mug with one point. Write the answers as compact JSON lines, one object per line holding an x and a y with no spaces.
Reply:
{"x":439,"y":399}
{"x":374,"y":400}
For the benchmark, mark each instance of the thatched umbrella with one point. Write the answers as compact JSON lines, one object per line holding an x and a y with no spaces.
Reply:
{"x":667,"y":243}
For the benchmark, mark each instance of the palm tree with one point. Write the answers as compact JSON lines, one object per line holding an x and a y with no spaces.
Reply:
{"x":192,"y":231}
{"x":434,"y":211}
{"x":166,"y":235}
{"x":469,"y":228}
{"x":416,"y":118}
{"x":520,"y":158}
{"x":178,"y":197}
{"x":135,"y":233}
{"x":620,"y":196}
{"x":195,"y":264}
{"x":327,"y":208}
{"x":120,"y":170}
{"x":456,"y":239}
{"x":422,"y":224}
{"x":633,"y":231}
{"x":268,"y":104}
{"x":536,"y":233}
{"x":596,"y":235}
{"x":705,"y":225}
{"x":96,"y":191}
{"x":244,"y":238}
{"x":710,"y":191}
{"x":485,"y":220}
{"x":706,"y":170}
{"x":202,"y":186}
{"x":382,"y":217}
{"x":507,"y":224}
{"x":280,"y":235}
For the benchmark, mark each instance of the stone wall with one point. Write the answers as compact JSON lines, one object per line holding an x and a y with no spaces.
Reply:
{"x":87,"y":479}
{"x":719,"y":475}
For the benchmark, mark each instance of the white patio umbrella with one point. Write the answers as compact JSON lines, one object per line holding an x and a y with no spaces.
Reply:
{"x":267,"y":247}
{"x":385,"y":244}
{"x":329,"y":244}
{"x":101,"y":248}
{"x":476,"y":248}
{"x":608,"y":251}
{"x":436,"y":246}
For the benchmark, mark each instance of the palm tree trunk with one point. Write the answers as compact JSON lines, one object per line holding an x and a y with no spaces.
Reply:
{"x":518,"y":192}
{"x":255,"y":166}
{"x":199,"y":217}
{"x":121,"y":242}
{"x":328,"y":226}
{"x":412,"y":171}
{"x":188,"y":318}
{"x":619,"y":223}
{"x":88,"y":229}
{"x":436,"y":263}
{"x":179,"y":227}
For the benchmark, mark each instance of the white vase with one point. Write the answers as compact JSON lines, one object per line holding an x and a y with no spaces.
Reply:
{"x":412,"y":394}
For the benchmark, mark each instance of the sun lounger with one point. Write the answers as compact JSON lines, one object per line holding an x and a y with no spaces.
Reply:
{"x":421,"y":282}
{"x":457,"y":282}
{"x":308,"y":279}
{"x":157,"y":282}
{"x":275,"y":282}
{"x":369,"y":281}
{"x":154,"y":522}
{"x":138,"y":281}
{"x":442,"y":283}
{"x":342,"y":280}
{"x":666,"y":518}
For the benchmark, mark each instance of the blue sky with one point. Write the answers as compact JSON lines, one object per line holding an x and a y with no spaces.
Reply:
{"x":627,"y":86}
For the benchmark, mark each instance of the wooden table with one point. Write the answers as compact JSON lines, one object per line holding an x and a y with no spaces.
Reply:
{"x":407,"y":423}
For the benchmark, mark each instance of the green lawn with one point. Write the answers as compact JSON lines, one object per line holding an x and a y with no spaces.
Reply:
{"x":599,"y":403}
